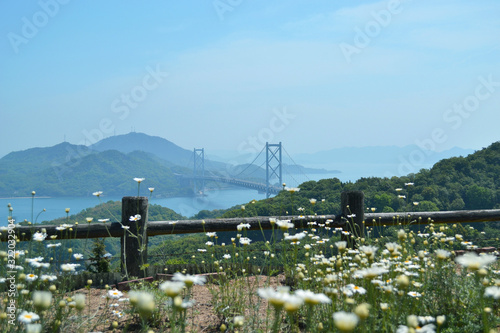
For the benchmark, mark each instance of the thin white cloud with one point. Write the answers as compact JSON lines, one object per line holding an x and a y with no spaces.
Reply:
{"x":451,"y":25}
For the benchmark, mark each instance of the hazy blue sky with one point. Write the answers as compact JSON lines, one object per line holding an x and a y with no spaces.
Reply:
{"x":232,"y":74}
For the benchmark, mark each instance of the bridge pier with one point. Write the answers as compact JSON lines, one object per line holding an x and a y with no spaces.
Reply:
{"x":199,"y":170}
{"x":273,"y":154}
{"x":273,"y":170}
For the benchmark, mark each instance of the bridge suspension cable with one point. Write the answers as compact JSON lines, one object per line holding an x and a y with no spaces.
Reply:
{"x":301,"y":170}
{"x":249,"y":165}
{"x":256,"y":169}
{"x":298,"y":167}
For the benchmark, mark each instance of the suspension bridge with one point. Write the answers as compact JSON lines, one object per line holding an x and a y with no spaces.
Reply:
{"x":267,"y":172}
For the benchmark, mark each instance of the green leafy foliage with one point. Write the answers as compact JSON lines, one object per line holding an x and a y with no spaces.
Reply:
{"x":99,"y":263}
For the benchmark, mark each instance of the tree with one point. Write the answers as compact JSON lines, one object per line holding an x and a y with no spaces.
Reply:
{"x":457,"y":204}
{"x":382,"y":200}
{"x":478,"y":197}
{"x":427,"y":206}
{"x":99,"y":263}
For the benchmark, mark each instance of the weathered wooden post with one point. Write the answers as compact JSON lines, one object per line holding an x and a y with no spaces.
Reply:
{"x":353,"y":209}
{"x":134,"y":242}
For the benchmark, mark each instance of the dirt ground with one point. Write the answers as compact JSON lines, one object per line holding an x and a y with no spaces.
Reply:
{"x":201,"y":318}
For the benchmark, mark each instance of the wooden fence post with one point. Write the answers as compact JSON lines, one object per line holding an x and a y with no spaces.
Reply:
{"x":353,"y":209}
{"x":134,"y":242}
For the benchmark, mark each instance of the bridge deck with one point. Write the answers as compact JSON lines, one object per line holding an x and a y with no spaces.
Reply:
{"x":238,"y":182}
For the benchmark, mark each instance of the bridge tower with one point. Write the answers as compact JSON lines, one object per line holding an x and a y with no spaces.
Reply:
{"x":273,"y":164}
{"x":199,"y":170}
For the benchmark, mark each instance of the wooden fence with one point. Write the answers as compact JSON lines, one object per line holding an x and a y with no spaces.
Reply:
{"x":354,"y":220}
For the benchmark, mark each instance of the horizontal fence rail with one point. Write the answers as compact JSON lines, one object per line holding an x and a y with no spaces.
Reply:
{"x":155,"y":228}
{"x":452,"y":216}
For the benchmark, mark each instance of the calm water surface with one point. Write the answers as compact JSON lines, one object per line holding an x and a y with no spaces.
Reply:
{"x":55,"y":207}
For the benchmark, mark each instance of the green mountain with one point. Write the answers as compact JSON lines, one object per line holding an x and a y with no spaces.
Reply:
{"x":160,"y":147}
{"x":34,"y":159}
{"x":69,"y":170}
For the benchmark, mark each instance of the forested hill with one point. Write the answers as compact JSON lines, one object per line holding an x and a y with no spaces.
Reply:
{"x":70,"y":170}
{"x":456,"y":183}
{"x":112,"y":210}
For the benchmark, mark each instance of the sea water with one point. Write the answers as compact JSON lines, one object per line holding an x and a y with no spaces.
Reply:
{"x":46,"y":209}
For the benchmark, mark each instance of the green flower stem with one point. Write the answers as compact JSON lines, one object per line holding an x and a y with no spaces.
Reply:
{"x":277,"y":320}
